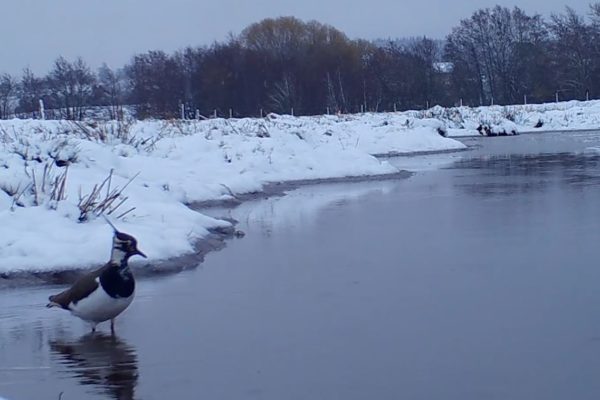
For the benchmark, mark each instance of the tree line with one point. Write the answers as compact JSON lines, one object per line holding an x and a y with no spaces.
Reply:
{"x":285,"y":65}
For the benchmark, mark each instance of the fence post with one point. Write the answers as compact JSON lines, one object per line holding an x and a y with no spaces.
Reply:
{"x":42,"y":112}
{"x":557,"y":96}
{"x":230,"y":113}
{"x":182,"y":109}
{"x":197,"y":114}
{"x":292,"y":111}
{"x":461,"y":102}
{"x":215,"y":113}
{"x":525,"y":99}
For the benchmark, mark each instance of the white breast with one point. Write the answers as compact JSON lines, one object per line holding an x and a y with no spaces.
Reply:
{"x":99,"y":306}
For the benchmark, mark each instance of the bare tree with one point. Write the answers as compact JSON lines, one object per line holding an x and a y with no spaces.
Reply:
{"x":573,"y":51}
{"x":71,"y":85}
{"x":284,"y":96}
{"x":8,"y":94}
{"x":490,"y":52}
{"x":496,"y":55}
{"x":156,"y":84}
{"x":112,"y":86}
{"x":31,"y":90}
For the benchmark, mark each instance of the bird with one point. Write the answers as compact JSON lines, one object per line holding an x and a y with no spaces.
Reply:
{"x":103,"y":294}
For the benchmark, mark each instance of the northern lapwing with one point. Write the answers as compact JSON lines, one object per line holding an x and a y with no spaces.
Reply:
{"x":106,"y":292}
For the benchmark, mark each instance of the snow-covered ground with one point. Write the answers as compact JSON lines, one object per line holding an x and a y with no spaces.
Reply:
{"x":463,"y":121}
{"x":55,"y":176}
{"x":50,"y":169}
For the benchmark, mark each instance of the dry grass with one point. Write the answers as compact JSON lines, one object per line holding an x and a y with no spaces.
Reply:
{"x":120,"y":131}
{"x":51,"y":188}
{"x":104,"y":199}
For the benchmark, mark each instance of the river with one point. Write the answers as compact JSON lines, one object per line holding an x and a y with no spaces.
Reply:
{"x":475,"y":278}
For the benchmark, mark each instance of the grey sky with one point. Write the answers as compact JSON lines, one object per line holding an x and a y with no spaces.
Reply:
{"x":35,"y":32}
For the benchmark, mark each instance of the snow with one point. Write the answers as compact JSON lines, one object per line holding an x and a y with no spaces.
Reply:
{"x":164,"y":165}
{"x":571,"y":115}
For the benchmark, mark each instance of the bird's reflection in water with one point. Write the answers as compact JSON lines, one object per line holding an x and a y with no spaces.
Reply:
{"x":105,"y":362}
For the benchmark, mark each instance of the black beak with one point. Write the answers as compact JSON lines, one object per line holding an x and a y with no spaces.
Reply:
{"x":139,"y":253}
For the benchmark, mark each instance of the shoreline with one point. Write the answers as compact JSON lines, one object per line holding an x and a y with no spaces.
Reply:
{"x":274,"y":189}
{"x":575,"y":130}
{"x":216,"y":240}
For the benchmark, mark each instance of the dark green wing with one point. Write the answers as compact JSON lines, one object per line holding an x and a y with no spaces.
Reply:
{"x":81,"y":289}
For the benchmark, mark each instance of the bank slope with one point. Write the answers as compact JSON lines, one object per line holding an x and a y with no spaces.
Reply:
{"x":56,"y":176}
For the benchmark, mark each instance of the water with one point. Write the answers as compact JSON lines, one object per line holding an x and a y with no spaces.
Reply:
{"x":474,"y":279}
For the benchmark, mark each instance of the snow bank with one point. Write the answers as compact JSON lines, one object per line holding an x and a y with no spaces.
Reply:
{"x":144,"y":173}
{"x":464,"y":121}
{"x":50,"y":170}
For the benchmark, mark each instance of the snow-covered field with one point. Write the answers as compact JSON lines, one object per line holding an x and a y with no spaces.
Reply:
{"x":51,"y":169}
{"x":57,"y":177}
{"x":463,"y":121}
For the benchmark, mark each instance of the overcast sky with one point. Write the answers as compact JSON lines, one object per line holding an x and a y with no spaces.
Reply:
{"x":34,"y":32}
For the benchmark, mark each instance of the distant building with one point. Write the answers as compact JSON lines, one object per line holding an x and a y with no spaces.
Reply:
{"x":443,"y":67}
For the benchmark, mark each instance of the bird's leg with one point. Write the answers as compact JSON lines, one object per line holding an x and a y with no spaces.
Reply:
{"x":93,"y":328}
{"x":112,"y":326}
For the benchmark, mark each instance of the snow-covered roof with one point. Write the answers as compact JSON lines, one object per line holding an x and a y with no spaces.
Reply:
{"x":443,"y":67}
